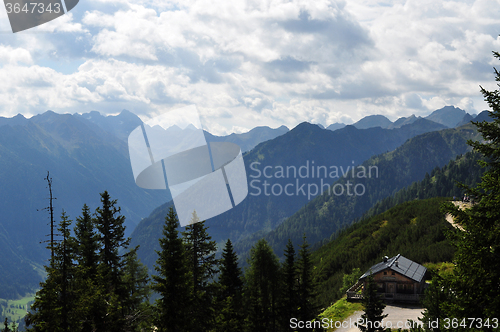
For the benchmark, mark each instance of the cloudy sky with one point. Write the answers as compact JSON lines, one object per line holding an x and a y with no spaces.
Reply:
{"x":254,"y":62}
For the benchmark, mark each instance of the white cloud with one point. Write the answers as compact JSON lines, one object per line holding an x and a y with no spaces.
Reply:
{"x":10,"y":55}
{"x":248,"y":63}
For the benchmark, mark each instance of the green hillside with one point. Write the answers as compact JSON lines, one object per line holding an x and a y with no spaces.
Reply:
{"x":409,"y":222}
{"x":442,"y":181}
{"x":323,"y":216}
{"x":414,"y":229}
{"x":304,"y":145}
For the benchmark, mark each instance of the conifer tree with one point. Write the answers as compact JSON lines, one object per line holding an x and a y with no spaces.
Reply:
{"x":374,"y":308}
{"x":136,"y":281}
{"x":306,"y":308}
{"x":173,"y":281}
{"x":89,"y":285}
{"x":290,"y":299}
{"x":112,"y":239}
{"x":263,"y":288}
{"x":6,"y":326}
{"x":230,"y":316}
{"x":89,"y":292}
{"x":52,"y":308}
{"x":200,"y":251}
{"x":87,"y":244}
{"x":44,"y":316}
{"x":435,"y":296}
{"x":64,"y":257}
{"x":476,"y":277}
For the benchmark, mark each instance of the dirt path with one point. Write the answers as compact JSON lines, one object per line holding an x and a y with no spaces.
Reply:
{"x":398,"y":314}
{"x":461,"y":206}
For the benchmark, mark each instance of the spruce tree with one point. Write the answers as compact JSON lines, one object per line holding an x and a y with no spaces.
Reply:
{"x":136,"y":281}
{"x":230,"y":316}
{"x":44,"y":315}
{"x":87,"y":244}
{"x":173,"y":281}
{"x":64,"y":257}
{"x":374,"y":308}
{"x":306,"y":308}
{"x":436,"y":295}
{"x":89,"y":285}
{"x":476,"y":277}
{"x":6,"y":326}
{"x":112,"y":239}
{"x":90,"y":301}
{"x":262,"y":292}
{"x":54,"y":302}
{"x":200,"y":251}
{"x":290,"y":298}
{"x":123,"y":279}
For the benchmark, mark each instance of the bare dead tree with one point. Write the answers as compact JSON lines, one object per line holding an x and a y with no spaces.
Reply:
{"x":50,"y":208}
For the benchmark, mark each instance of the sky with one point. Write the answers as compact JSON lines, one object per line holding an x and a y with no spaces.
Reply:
{"x":253,"y":63}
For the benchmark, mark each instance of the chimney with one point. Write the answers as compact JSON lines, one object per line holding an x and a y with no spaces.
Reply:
{"x":397,"y":263}
{"x":385,"y":259}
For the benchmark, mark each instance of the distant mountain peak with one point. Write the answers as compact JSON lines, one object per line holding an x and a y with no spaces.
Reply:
{"x":404,"y":121}
{"x":247,"y":141}
{"x":174,"y":128}
{"x":120,"y":125}
{"x":483,"y":116}
{"x":305,"y":126}
{"x":371,"y":121}
{"x":17,"y":120}
{"x":449,"y":116}
{"x":126,"y":114}
{"x":335,"y":126}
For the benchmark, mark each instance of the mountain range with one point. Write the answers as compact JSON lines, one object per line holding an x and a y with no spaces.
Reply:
{"x":323,"y":216}
{"x":247,"y":141}
{"x":279,"y":217}
{"x":87,"y":154}
{"x":83,"y":160}
{"x":448,"y":116}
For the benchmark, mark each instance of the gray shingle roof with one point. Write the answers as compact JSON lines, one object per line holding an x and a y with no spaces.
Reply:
{"x":404,"y":266}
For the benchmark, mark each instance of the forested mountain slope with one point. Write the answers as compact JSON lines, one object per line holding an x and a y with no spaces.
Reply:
{"x":304,"y":146}
{"x":83,"y":161}
{"x":410,"y":222}
{"x":328,"y":213}
{"x":413,"y":229}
